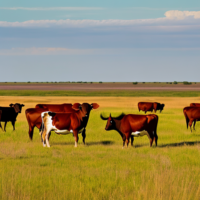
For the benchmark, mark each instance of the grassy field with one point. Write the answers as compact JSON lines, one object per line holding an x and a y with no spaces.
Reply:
{"x":101,"y":169}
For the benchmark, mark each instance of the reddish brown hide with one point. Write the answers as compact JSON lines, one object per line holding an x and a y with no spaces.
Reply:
{"x":33,"y":115}
{"x":192,"y":114}
{"x":150,"y":106}
{"x":195,"y":105}
{"x":75,"y":122}
{"x":126,"y":125}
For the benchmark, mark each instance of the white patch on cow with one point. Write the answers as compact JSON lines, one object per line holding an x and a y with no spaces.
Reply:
{"x":140,"y":133}
{"x":63,"y":132}
{"x":76,"y":144}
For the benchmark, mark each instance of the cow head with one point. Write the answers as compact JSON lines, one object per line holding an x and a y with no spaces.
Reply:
{"x":17,"y":107}
{"x":85,"y":107}
{"x":161,"y":107}
{"x":110,"y":122}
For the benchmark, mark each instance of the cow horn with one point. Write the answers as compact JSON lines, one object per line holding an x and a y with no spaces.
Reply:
{"x":104,"y":118}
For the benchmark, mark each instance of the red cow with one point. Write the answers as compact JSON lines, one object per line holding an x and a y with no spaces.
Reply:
{"x":130,"y":126}
{"x":192,"y":114}
{"x":195,"y":105}
{"x":148,"y":106}
{"x":65,"y":107}
{"x":65,"y":123}
{"x":33,"y":115}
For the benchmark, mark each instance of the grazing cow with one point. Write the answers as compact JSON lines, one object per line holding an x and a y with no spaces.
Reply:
{"x":148,"y":106}
{"x":130,"y":126}
{"x":195,"y":105}
{"x":33,"y":115}
{"x":192,"y":114}
{"x":10,"y":114}
{"x":65,"y":107}
{"x":65,"y":123}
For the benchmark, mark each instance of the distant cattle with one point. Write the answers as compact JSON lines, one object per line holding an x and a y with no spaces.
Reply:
{"x":33,"y":115}
{"x":192,"y":114}
{"x":65,"y":123}
{"x":150,"y":106}
{"x":195,"y":105}
{"x":130,"y":126}
{"x":10,"y":114}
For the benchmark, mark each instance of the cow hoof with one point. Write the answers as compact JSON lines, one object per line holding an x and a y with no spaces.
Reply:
{"x":44,"y":145}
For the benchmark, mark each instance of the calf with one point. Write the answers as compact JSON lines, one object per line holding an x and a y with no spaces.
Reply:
{"x":192,"y":114}
{"x":10,"y":114}
{"x":65,"y":123}
{"x":150,"y":106}
{"x":130,"y":126}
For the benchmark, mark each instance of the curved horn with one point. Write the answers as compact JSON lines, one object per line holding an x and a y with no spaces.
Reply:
{"x":104,"y":118}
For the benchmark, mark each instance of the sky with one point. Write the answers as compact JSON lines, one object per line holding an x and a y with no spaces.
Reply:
{"x":109,"y":41}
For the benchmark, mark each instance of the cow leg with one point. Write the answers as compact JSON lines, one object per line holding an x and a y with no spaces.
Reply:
{"x":194,"y":125}
{"x":124,"y":139}
{"x":132,"y":139}
{"x":5,"y":126}
{"x":84,"y":135}
{"x":75,"y":137}
{"x":190,"y":124}
{"x":155,"y":137}
{"x":13,"y":123}
{"x":127,"y":140}
{"x":1,"y":126}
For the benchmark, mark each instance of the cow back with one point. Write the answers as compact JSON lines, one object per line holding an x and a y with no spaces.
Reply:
{"x":195,"y":105}
{"x":145,"y":106}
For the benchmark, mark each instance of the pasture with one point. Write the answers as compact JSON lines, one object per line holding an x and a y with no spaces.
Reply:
{"x":101,"y":169}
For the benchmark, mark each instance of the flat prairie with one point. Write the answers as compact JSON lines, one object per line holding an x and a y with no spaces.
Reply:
{"x":101,"y":169}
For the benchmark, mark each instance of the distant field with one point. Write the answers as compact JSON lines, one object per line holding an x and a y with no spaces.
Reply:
{"x":100,"y":89}
{"x":101,"y":169}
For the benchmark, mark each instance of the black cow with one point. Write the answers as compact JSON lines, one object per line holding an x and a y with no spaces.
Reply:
{"x":10,"y":114}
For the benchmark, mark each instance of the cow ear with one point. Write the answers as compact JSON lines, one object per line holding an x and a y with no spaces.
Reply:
{"x":22,"y":105}
{"x":76,"y":106}
{"x":94,"y":105}
{"x":11,"y":105}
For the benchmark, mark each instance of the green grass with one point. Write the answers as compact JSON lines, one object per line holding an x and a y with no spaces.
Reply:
{"x":101,"y":169}
{"x":125,"y":93}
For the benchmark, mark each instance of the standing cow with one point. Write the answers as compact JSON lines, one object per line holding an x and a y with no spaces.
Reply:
{"x":150,"y":106}
{"x":10,"y":114}
{"x":33,"y":115}
{"x":192,"y":114}
{"x":130,"y":126}
{"x":65,"y":123}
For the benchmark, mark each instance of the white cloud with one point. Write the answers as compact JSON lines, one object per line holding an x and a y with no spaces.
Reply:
{"x":172,"y":18}
{"x":180,"y":15}
{"x":51,"y":8}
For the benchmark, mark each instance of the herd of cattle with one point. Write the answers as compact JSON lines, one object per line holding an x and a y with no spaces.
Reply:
{"x":67,"y":118}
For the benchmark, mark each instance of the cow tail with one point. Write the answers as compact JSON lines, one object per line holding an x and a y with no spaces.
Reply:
{"x":186,"y":118}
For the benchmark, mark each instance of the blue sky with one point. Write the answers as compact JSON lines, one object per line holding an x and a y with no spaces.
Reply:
{"x":100,"y":40}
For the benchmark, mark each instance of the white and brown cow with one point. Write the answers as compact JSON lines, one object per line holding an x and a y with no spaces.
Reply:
{"x":65,"y":123}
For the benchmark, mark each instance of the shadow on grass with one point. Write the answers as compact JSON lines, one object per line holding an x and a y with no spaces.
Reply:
{"x":87,"y":143}
{"x":190,"y":143}
{"x":106,"y":143}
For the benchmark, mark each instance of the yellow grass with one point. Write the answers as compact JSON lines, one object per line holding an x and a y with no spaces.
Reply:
{"x":101,"y":169}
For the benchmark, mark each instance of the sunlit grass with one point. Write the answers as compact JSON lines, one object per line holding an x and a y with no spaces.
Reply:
{"x":101,"y":169}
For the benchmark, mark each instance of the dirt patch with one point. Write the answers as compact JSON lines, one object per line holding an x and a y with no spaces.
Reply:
{"x":100,"y":86}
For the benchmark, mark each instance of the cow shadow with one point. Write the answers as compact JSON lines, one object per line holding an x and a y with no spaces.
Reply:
{"x":105,"y":143}
{"x":178,"y":144}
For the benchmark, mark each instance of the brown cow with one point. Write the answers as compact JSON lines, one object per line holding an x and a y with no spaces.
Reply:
{"x":65,"y":123}
{"x":33,"y":115}
{"x":195,"y":105}
{"x":192,"y":114}
{"x":130,"y":126}
{"x":150,"y":106}
{"x":65,"y":107}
